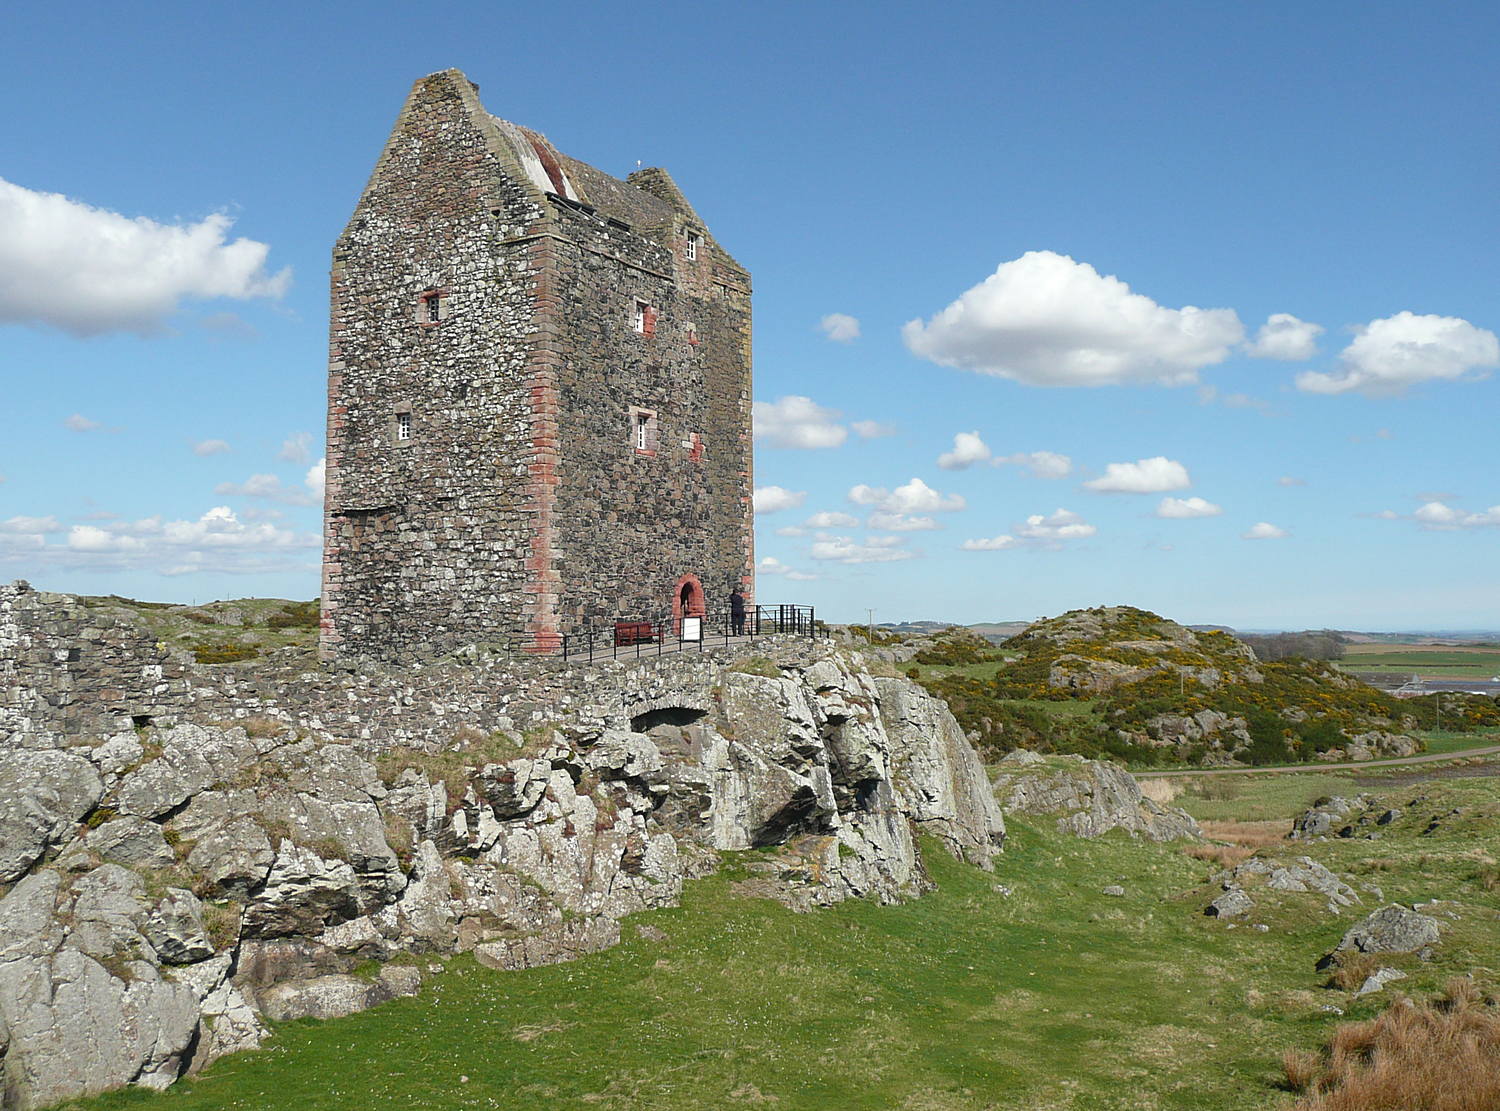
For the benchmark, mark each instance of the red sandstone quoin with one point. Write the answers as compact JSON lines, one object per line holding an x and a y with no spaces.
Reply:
{"x":538,"y":394}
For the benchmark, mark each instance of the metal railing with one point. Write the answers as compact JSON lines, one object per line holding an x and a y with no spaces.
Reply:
{"x":641,"y":638}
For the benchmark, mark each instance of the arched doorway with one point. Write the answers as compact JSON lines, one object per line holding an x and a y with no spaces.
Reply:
{"x":688,"y":600}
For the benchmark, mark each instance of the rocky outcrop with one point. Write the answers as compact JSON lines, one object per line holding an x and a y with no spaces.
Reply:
{"x":177,"y":883}
{"x":1264,"y":875}
{"x":1089,"y":797}
{"x":1391,"y":929}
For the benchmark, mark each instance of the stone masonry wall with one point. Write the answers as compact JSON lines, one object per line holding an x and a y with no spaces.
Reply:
{"x":518,"y":502}
{"x":426,"y":538}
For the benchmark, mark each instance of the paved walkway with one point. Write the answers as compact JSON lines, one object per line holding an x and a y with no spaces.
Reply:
{"x":1428,"y":758}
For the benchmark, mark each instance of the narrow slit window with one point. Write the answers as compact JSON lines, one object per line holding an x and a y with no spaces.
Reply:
{"x":638,"y":319}
{"x":642,"y":431}
{"x":403,"y":426}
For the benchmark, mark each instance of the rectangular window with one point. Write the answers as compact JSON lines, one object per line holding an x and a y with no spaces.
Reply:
{"x":691,"y":250}
{"x":642,"y":431}
{"x":638,"y":320}
{"x":403,"y":426}
{"x":432,"y":307}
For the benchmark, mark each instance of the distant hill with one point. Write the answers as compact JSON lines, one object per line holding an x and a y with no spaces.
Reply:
{"x":1128,"y":683}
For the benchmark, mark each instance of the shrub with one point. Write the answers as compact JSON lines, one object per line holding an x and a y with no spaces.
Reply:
{"x":296,"y":615}
{"x":210,"y":653}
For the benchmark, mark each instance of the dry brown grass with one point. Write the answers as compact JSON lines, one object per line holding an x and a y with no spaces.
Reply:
{"x":1225,"y":856}
{"x":1443,"y":1055}
{"x":1351,"y":969}
{"x":1254,"y":835}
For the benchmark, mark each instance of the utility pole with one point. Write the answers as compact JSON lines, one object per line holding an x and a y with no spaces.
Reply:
{"x":870,"y":623}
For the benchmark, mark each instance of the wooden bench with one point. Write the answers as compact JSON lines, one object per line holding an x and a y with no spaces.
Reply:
{"x":635,"y":632}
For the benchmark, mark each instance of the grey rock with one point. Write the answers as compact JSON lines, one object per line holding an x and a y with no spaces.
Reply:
{"x":43,"y":795}
{"x":1090,"y":797}
{"x":1378,"y":979}
{"x":1115,"y":890}
{"x":1391,"y":929}
{"x":234,"y":858}
{"x":1232,"y":903}
{"x":129,"y":841}
{"x":938,"y":776}
{"x":193,"y":758}
{"x":513,"y":789}
{"x":303,"y":893}
{"x":175,"y":928}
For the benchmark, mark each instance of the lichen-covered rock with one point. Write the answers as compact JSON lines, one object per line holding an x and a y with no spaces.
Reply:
{"x":310,"y":861}
{"x":1391,"y":929}
{"x":942,"y":784}
{"x":1301,"y":876}
{"x":1231,"y":904}
{"x":44,"y":794}
{"x":1089,"y":797}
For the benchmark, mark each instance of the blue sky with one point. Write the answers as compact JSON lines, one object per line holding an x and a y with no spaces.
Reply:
{"x":1071,"y":179}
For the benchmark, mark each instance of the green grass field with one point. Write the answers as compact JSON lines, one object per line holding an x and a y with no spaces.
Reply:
{"x":1432,"y":663}
{"x":1055,"y":997}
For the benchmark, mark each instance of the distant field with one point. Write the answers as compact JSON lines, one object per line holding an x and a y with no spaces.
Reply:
{"x":1436,"y":661}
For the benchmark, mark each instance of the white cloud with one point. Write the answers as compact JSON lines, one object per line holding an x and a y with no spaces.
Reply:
{"x":968,"y":449}
{"x":211,"y":447}
{"x":913,"y":497}
{"x":1389,"y":355}
{"x":770,"y":565}
{"x":843,"y":549}
{"x":87,"y":271}
{"x":791,"y":530}
{"x":900,"y":522}
{"x":798,"y":422}
{"x":1046,"y":320}
{"x":1285,"y":337}
{"x":1263,"y":530}
{"x":294,"y":449}
{"x":1182,"y":508}
{"x":833,"y":519}
{"x":1290,"y":480}
{"x":80,"y":423}
{"x":872,"y":429}
{"x":30,"y":526}
{"x":840,"y":327}
{"x":314,"y":479}
{"x":773,"y":499}
{"x":1037,"y":531}
{"x":992,"y":544}
{"x":1060,"y":525}
{"x":1145,"y":476}
{"x":269,"y":487}
{"x":1441,"y":517}
{"x":1041,"y":464}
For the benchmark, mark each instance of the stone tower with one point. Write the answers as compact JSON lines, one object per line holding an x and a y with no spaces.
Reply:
{"x":538,"y":395}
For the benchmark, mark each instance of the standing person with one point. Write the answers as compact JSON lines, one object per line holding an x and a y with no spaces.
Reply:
{"x":737,"y":612}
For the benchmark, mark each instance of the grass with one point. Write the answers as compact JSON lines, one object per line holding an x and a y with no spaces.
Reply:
{"x":1259,"y":798}
{"x":1434,"y":661}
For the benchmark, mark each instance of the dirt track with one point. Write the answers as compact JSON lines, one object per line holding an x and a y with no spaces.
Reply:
{"x":1429,"y":758}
